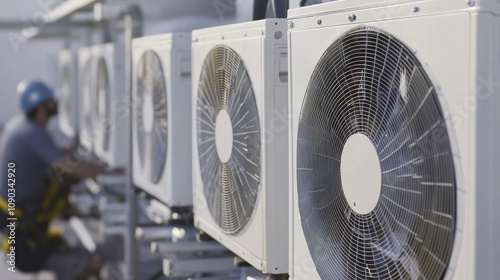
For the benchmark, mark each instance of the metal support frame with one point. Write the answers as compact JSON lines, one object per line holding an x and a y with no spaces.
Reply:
{"x":131,"y":14}
{"x":57,"y":26}
{"x":60,"y":12}
{"x":174,"y":267}
{"x":166,"y":248}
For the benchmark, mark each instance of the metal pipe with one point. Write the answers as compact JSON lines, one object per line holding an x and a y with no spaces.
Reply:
{"x":150,"y":233}
{"x":66,"y":24}
{"x":131,"y":14}
{"x":131,"y":264}
{"x":63,"y":10}
{"x":118,"y":12}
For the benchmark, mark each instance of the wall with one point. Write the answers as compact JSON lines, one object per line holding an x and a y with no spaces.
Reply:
{"x":27,"y":60}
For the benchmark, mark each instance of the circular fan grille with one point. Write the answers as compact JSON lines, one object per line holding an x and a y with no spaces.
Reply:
{"x":102,"y":99}
{"x":230,"y":187}
{"x":152,"y":116}
{"x":66,"y":89}
{"x":369,"y":83}
{"x":86,"y":100}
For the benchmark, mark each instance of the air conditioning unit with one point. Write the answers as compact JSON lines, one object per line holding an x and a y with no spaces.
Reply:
{"x":395,"y":140}
{"x":67,"y":93}
{"x":85,"y":102}
{"x":110,"y":136}
{"x":162,"y":117}
{"x":240,"y":132}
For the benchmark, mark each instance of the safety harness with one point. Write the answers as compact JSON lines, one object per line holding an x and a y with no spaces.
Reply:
{"x":34,"y":240}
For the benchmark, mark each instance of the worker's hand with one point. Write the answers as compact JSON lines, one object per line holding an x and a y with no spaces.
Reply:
{"x":113,"y":171}
{"x":69,"y":149}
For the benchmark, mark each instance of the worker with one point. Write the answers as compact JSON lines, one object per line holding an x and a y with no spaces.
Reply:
{"x":36,"y":169}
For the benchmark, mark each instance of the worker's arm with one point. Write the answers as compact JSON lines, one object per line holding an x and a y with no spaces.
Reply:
{"x":69,"y":165}
{"x":62,"y":164}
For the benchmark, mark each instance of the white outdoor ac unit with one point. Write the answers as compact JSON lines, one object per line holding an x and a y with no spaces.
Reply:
{"x":110,"y":112}
{"x":162,"y":117}
{"x":240,"y":159}
{"x":394,"y":140}
{"x":68,"y":93}
{"x":85,"y":103}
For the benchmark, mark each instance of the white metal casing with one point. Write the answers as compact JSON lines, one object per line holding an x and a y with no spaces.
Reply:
{"x":67,"y":92}
{"x":262,"y":47}
{"x":85,"y":120}
{"x":116,"y":153}
{"x":458,"y":43}
{"x":174,"y":50}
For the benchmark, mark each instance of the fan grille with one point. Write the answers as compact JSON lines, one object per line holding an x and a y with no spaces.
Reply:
{"x":102,"y":99}
{"x":368,"y":82}
{"x":66,"y":88}
{"x":231,"y":187}
{"x":152,"y":142}
{"x":86,"y":101}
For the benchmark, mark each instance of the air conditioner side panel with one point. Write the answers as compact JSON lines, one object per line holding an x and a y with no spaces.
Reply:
{"x":118,"y":153}
{"x":180,"y":181}
{"x":486,"y":104}
{"x":276,"y":182}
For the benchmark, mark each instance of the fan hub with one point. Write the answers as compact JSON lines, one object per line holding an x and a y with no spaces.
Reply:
{"x":361,"y":173}
{"x":148,"y":113}
{"x":224,"y":136}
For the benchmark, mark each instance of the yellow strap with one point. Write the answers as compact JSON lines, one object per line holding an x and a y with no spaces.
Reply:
{"x":51,"y":204}
{"x":54,"y":211}
{"x":54,"y":232}
{"x":50,"y":208}
{"x":51,"y":233}
{"x":52,"y":192}
{"x":5,"y":244}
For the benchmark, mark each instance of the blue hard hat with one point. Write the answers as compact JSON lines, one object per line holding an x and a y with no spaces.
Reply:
{"x":32,"y":94}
